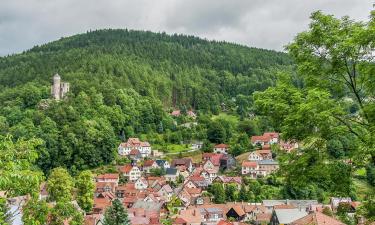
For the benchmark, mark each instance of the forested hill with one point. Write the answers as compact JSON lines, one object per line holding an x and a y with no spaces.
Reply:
{"x":122,"y":84}
{"x":177,"y":69}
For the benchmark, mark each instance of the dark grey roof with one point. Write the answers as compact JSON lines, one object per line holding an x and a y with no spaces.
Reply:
{"x":171,"y":171}
{"x":268,"y":162}
{"x":160,"y":162}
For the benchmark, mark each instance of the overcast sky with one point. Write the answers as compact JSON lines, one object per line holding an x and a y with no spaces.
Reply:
{"x":260,"y":23}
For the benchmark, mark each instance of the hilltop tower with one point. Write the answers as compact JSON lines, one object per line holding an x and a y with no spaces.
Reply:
{"x":58,"y":88}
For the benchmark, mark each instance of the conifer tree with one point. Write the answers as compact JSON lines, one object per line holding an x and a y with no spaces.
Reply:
{"x":116,"y":214}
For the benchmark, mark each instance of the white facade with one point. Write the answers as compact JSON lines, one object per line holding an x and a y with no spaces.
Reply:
{"x":254,"y":156}
{"x":141,"y":184}
{"x":125,"y":148}
{"x":134,"y":174}
{"x":221,"y":150}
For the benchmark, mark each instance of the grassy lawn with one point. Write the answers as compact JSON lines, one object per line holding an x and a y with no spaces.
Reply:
{"x":231,"y":118}
{"x":172,"y":148}
{"x":361,"y":187}
{"x":243,"y":157}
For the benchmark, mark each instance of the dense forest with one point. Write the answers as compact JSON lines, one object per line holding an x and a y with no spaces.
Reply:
{"x":124,"y":83}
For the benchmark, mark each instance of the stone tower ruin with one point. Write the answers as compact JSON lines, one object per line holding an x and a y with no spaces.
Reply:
{"x":58,"y":88}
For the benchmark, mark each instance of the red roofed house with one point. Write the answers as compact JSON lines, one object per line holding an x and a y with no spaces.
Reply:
{"x":150,"y":164}
{"x":108,"y":177}
{"x":176,"y":113}
{"x":133,"y":173}
{"x":221,"y":148}
{"x":134,"y":143}
{"x":267,"y":138}
{"x":250,"y":168}
{"x":260,"y":155}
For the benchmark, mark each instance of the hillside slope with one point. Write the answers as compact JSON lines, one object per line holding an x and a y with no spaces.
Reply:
{"x":177,"y":69}
{"x":122,"y":83}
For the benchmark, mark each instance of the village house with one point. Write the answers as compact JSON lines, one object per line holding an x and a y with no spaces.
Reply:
{"x":196,"y":145}
{"x":141,"y":183}
{"x":144,"y":148}
{"x":267,"y":138}
{"x":101,"y":187}
{"x":260,"y":155}
{"x":184,"y":162}
{"x":267,"y":166}
{"x":166,"y":191}
{"x":196,"y":182}
{"x":210,"y":174}
{"x":148,"y":165}
{"x":163,"y":163}
{"x":250,"y":168}
{"x":211,"y":214}
{"x":171,"y":174}
{"x":108,"y":177}
{"x":223,"y":161}
{"x":221,"y":148}
{"x":132,"y":173}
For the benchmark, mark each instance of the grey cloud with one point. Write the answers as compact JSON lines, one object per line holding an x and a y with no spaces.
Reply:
{"x":261,"y":23}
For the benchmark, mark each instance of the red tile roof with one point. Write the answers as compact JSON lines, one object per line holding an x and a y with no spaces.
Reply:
{"x":317,"y":218}
{"x":148,"y":163}
{"x":179,"y":220}
{"x":176,"y":113}
{"x":222,"y":146}
{"x":126,"y":169}
{"x":108,"y":176}
{"x":249,"y":164}
{"x":134,"y":152}
{"x":224,"y":222}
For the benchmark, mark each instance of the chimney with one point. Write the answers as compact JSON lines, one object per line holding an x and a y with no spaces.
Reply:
{"x":194,"y":212}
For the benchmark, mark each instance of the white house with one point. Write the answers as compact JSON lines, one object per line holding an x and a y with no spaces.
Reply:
{"x":141,"y":184}
{"x":108,"y":177}
{"x":221,"y":148}
{"x":255,"y":156}
{"x":134,"y":143}
{"x":250,"y":168}
{"x":163,"y":163}
{"x":133,"y":173}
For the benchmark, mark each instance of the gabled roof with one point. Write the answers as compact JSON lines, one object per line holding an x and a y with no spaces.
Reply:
{"x":317,"y":218}
{"x":266,"y":217}
{"x":134,"y":152}
{"x":126,"y":169}
{"x":160,"y":162}
{"x":184,"y":161}
{"x":238,"y":209}
{"x":148,"y":163}
{"x":221,"y":146}
{"x":224,"y":222}
{"x":286,"y":216}
{"x":171,"y":171}
{"x":108,"y":176}
{"x":226,"y":179}
{"x":249,"y":164}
